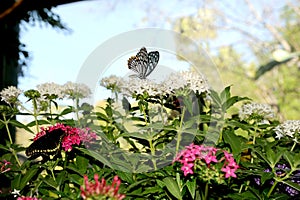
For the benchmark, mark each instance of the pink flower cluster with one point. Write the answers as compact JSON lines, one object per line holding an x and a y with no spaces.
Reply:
{"x":3,"y":166}
{"x":192,"y":153}
{"x":100,"y":189}
{"x":73,"y":136}
{"x":28,"y":198}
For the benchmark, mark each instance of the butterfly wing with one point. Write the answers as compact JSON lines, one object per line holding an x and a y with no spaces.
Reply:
{"x":46,"y":145}
{"x":139,"y":63}
{"x":153,"y":58}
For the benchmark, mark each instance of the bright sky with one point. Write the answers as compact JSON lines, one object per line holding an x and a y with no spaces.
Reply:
{"x":58,"y":56}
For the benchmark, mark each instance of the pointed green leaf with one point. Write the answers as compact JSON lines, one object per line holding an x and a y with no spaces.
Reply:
{"x":172,"y":187}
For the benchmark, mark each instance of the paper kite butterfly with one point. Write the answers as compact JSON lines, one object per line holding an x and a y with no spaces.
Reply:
{"x":143,"y":63}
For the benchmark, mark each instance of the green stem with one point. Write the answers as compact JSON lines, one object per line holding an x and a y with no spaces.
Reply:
{"x":77,"y":110}
{"x":152,"y":149}
{"x":272,"y":188}
{"x":294,"y":145}
{"x":206,"y":191}
{"x":179,"y":134}
{"x":5,"y":121}
{"x":35,"y":115}
{"x":10,"y":139}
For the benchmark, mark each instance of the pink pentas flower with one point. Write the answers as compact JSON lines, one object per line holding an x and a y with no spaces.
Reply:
{"x":229,"y":172}
{"x":207,"y":156}
{"x":3,"y":166}
{"x":210,"y":158}
{"x":187,"y":168}
{"x":28,"y":198}
{"x":100,"y":189}
{"x":73,"y":136}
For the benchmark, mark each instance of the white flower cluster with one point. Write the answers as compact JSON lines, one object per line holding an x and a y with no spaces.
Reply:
{"x":112,"y":82}
{"x":250,"y":110}
{"x":290,"y":128}
{"x":10,"y":94}
{"x":136,"y":86}
{"x":76,"y":90}
{"x":51,"y":89}
{"x":176,"y":81}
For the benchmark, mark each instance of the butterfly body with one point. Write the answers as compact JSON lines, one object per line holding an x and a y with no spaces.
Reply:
{"x":143,"y":63}
{"x":46,"y":145}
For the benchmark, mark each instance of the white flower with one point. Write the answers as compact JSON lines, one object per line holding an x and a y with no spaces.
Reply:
{"x":136,"y":86}
{"x":290,"y":128}
{"x":263,"y":111}
{"x":112,"y":82}
{"x":10,"y":94}
{"x":186,"y":79}
{"x":76,"y":90}
{"x":46,"y":89}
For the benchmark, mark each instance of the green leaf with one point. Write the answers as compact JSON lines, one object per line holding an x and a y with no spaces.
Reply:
{"x":66,"y":111}
{"x":273,"y":156}
{"x":235,"y":142}
{"x":231,"y":101}
{"x":40,"y":122}
{"x":293,"y":185}
{"x":225,"y":94}
{"x":172,"y":187}
{"x":97,"y":156}
{"x":28,"y":176}
{"x":292,"y":158}
{"x":160,"y":183}
{"x":20,"y":125}
{"x":216,"y":99}
{"x":82,"y":163}
{"x":50,"y":182}
{"x":191,"y":185}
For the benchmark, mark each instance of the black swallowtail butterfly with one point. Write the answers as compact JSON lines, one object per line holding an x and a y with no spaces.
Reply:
{"x":46,"y":145}
{"x":143,"y":63}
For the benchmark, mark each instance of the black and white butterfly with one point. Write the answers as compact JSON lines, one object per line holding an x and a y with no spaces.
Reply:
{"x":143,"y":63}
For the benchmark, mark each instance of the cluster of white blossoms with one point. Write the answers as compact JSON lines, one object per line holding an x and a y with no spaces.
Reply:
{"x":290,"y":128}
{"x":136,"y":86}
{"x":10,"y":94}
{"x":69,"y":90}
{"x":175,"y":81}
{"x":76,"y":90}
{"x":186,"y":79}
{"x":51,"y":89}
{"x":256,"y":110}
{"x":112,"y":82}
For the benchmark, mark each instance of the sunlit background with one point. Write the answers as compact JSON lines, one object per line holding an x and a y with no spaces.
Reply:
{"x":239,"y":36}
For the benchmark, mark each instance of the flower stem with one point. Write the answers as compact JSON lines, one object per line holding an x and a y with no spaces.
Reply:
{"x":179,"y":134}
{"x":292,"y":149}
{"x":35,"y":114}
{"x":10,"y":138}
{"x":272,"y":188}
{"x":7,"y":129}
{"x":206,"y":191}
{"x":152,"y":149}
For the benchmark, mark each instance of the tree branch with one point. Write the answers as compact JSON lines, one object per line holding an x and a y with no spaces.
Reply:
{"x":10,"y":9}
{"x":21,"y":7}
{"x":271,"y":28}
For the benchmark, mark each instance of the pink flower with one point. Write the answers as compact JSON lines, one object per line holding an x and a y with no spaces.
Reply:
{"x":28,"y":198}
{"x":210,"y":158}
{"x":207,"y":155}
{"x":73,"y":136}
{"x":101,"y":189}
{"x":229,"y":172}
{"x":187,"y":168}
{"x":3,"y":166}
